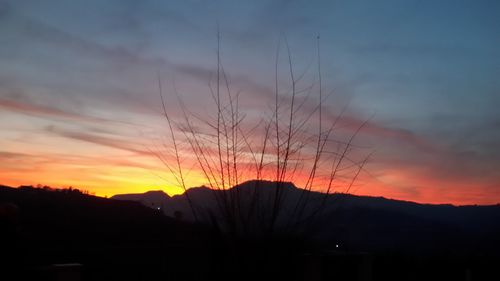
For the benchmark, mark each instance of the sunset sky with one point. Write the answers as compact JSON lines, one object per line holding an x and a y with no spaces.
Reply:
{"x":79,"y":103}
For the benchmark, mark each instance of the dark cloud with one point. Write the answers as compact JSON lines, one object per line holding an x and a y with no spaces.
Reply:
{"x":37,"y":30}
{"x":403,"y":135}
{"x":100,"y":140}
{"x":6,"y":155}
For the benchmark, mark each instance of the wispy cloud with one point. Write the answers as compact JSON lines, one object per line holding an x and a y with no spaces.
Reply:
{"x":45,"y":111}
{"x":100,"y":140}
{"x":57,"y":37}
{"x":6,"y":155}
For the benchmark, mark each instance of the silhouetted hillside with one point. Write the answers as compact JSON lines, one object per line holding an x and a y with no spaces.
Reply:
{"x":114,"y":240}
{"x":367,"y":223}
{"x":125,"y":240}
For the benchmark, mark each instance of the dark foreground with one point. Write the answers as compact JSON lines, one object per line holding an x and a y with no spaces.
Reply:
{"x":67,"y":235}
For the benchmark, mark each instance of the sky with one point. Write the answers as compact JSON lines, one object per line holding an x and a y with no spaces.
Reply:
{"x":80,"y":104}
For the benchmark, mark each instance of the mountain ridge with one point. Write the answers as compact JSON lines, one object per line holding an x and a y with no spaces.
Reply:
{"x":476,"y":218}
{"x":356,"y":223}
{"x":121,"y":196}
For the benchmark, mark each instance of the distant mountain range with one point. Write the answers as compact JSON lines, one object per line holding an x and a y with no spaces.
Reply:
{"x":119,"y":239}
{"x":125,"y":240}
{"x":356,"y":222}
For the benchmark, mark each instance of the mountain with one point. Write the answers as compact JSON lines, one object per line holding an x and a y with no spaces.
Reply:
{"x":125,"y":240}
{"x":358,"y":222}
{"x":154,"y":199}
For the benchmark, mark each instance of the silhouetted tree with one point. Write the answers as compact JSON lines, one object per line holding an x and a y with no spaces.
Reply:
{"x":293,"y":139}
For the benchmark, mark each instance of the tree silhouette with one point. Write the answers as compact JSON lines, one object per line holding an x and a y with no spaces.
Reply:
{"x":292,"y":140}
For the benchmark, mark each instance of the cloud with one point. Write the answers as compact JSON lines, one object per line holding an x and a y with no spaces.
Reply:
{"x":39,"y":31}
{"x":206,"y":74}
{"x":41,"y":110}
{"x":399,"y":134}
{"x":6,"y":155}
{"x":353,"y":121}
{"x":100,"y":140}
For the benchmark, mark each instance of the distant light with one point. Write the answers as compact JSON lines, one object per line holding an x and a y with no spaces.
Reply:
{"x":158,"y":208}
{"x":337,"y":245}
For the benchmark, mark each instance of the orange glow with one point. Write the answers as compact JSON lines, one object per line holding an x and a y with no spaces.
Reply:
{"x":106,"y":163}
{"x":109,"y":177}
